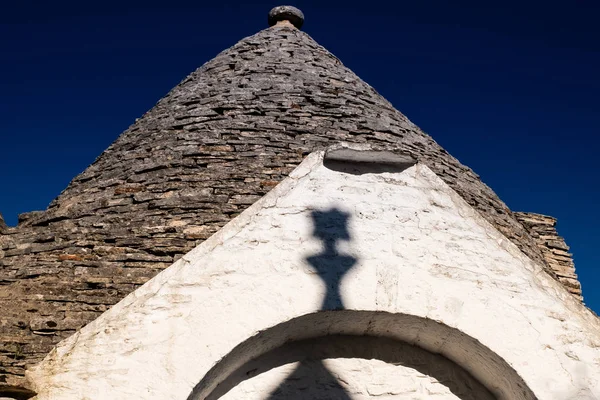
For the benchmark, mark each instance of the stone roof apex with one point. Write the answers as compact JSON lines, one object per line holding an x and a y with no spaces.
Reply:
{"x":286,"y":14}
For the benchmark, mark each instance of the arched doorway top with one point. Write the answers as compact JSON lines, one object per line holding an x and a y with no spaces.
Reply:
{"x":365,"y":327}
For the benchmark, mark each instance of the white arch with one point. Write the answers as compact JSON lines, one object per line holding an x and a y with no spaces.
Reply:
{"x":364,"y":330}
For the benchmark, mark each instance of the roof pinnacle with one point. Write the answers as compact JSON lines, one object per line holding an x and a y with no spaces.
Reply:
{"x":286,"y":13}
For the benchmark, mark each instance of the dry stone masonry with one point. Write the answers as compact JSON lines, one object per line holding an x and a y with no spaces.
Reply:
{"x":554,"y":249}
{"x":2,"y":224}
{"x":214,"y":145}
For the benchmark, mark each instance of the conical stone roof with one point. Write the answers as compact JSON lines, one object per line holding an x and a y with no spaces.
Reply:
{"x":216,"y":143}
{"x":237,"y":125}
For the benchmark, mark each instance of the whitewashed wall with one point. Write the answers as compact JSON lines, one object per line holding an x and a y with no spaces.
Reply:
{"x":408,"y":372}
{"x":421,"y":252}
{"x":361,"y":379}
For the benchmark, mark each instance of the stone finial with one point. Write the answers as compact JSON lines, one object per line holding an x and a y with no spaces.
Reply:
{"x":286,"y":13}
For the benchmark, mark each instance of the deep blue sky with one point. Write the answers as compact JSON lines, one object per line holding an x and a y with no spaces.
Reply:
{"x":509,"y":88}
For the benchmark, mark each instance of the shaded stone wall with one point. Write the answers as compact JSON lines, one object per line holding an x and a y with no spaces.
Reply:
{"x":554,"y":249}
{"x":220,"y":140}
{"x":351,"y":367}
{"x":350,"y":379}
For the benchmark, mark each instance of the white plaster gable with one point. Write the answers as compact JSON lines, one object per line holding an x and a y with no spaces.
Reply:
{"x":417,"y":250}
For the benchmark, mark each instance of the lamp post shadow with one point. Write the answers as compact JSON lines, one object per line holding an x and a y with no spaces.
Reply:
{"x":311,"y":379}
{"x":331,"y":227}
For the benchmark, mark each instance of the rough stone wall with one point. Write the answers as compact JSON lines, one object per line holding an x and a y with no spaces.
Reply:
{"x":214,"y":145}
{"x":554,"y":249}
